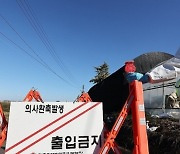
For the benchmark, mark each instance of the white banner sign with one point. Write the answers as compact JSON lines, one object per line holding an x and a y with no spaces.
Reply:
{"x":54,"y":128}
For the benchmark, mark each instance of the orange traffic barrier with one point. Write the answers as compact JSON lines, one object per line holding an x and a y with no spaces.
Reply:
{"x":115,"y":147}
{"x":3,"y":127}
{"x":139,"y":120}
{"x":84,"y":98}
{"x":136,"y":104}
{"x":29,"y":96}
{"x":33,"y":94}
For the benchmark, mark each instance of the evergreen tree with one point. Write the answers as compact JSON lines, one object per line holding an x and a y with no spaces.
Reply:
{"x":102,"y":72}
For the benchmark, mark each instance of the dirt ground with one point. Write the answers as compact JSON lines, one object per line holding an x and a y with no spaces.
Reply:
{"x":164,"y":140}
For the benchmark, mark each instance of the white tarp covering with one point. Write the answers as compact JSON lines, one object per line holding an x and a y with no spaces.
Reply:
{"x":167,"y":70}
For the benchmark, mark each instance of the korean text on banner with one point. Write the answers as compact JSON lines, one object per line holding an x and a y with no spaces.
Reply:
{"x":55,"y":127}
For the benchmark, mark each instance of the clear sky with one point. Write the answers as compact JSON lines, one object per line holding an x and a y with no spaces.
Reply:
{"x":53,"y":45}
